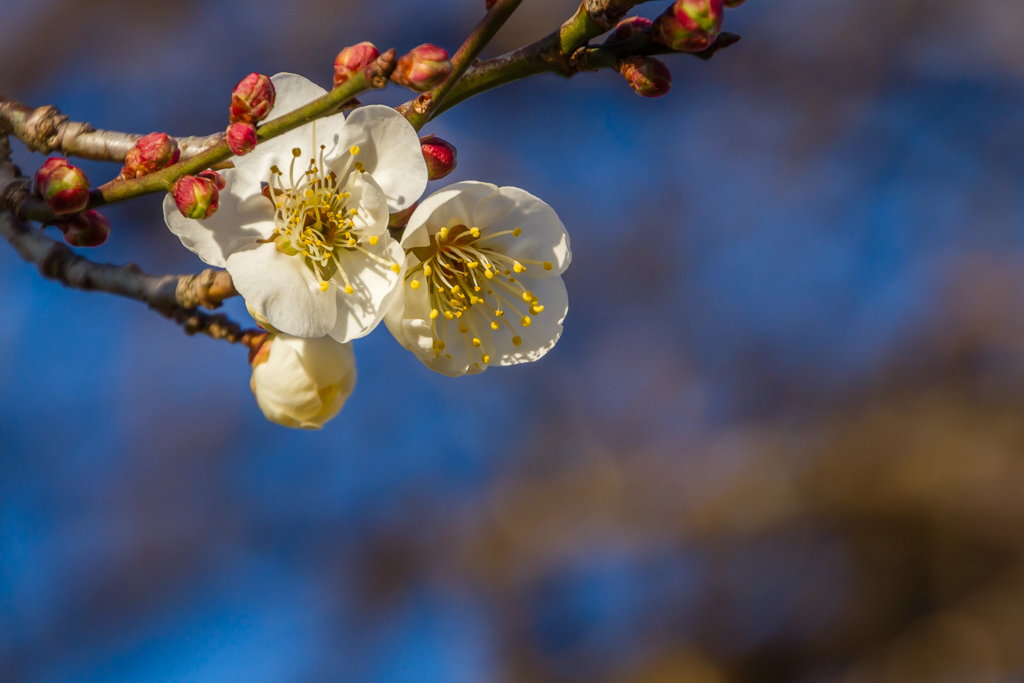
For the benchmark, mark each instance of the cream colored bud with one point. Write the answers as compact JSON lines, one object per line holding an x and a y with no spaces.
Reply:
{"x":302,"y":383}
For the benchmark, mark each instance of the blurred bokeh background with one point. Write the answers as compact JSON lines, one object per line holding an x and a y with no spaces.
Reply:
{"x":782,"y":438}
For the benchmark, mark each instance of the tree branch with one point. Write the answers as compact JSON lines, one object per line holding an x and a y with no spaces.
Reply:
{"x":419,"y":111}
{"x":46,"y":130}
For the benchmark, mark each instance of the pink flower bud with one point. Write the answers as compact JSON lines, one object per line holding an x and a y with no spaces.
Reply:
{"x":628,"y":28}
{"x":648,"y":76}
{"x":241,"y":138}
{"x":401,"y":219}
{"x":64,"y":187}
{"x":423,"y":68}
{"x":196,"y":197}
{"x":252,"y":99}
{"x":213,"y":176}
{"x":352,"y":60}
{"x":150,"y":154}
{"x":86,"y":229}
{"x":440,"y":155}
{"x":689,"y":25}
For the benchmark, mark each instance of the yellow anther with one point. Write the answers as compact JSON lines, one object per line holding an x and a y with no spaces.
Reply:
{"x":359,"y":167}
{"x":448,"y":356}
{"x":517,"y":232}
{"x":275,"y":169}
{"x":475,"y":232}
{"x":528,"y":296}
{"x":517,"y":340}
{"x":353,"y":150}
{"x":441,"y":345}
{"x":518,"y":267}
{"x":485,"y":358}
{"x":499,"y":313}
{"x":449,"y":315}
{"x":427,"y":271}
{"x":395,"y":267}
{"x":458,"y":314}
{"x":526,"y":322}
{"x":463,"y":329}
{"x":374,"y":239}
{"x":548,"y":265}
{"x":279,"y":205}
{"x":323,"y":286}
{"x":354,"y":212}
{"x":415,"y":284}
{"x":455,"y":289}
{"x":296,"y":152}
{"x":308,"y":193}
{"x":495,"y":325}
{"x":443,"y":232}
{"x":349,"y":289}
{"x":476,"y":342}
{"x":433,"y":313}
{"x":489,"y":274}
{"x":536,"y":308}
{"x":473,"y":264}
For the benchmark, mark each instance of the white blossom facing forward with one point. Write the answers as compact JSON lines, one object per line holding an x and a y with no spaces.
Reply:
{"x":302,"y":224}
{"x":483,"y":279}
{"x":302,"y":383}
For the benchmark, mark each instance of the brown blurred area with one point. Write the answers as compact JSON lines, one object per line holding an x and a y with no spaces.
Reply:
{"x":861,"y":531}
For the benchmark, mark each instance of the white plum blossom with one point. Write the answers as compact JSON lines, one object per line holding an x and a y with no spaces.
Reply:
{"x":302,"y":383}
{"x":303,"y":220}
{"x":483,"y":279}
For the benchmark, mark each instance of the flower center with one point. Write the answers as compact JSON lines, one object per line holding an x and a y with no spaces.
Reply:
{"x":313,"y":219}
{"x":464,"y":273}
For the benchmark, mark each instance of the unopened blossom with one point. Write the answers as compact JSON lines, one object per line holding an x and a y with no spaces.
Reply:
{"x":303,"y":221}
{"x":689,"y":25}
{"x":86,"y":229}
{"x":353,"y":59}
{"x":150,"y":154}
{"x":194,"y":197}
{"x":64,"y":187}
{"x":648,"y":76}
{"x":422,"y":68}
{"x":483,"y":282}
{"x":440,"y":155}
{"x":302,"y":383}
{"x":252,"y":99}
{"x":240,"y":138}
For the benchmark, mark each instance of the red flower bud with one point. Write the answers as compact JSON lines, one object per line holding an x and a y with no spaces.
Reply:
{"x":401,"y":219}
{"x":628,"y":28}
{"x":150,"y":154}
{"x":252,"y":99}
{"x":86,"y":229}
{"x":241,"y":138}
{"x":689,"y":25}
{"x":648,"y":76}
{"x":196,"y":197}
{"x":64,"y":187}
{"x":213,"y":176}
{"x":440,"y":155}
{"x":353,"y":59}
{"x":423,"y":68}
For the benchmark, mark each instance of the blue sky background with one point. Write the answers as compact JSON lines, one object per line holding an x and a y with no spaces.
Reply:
{"x":759,"y":245}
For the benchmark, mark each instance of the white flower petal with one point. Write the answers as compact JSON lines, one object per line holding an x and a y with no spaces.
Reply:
{"x":389,"y":148}
{"x":375,"y":285}
{"x":369,"y":200}
{"x":294,"y":91}
{"x":283,"y":290}
{"x":543,"y":237}
{"x":544,"y":330}
{"x":447,"y":207}
{"x":244,"y":216}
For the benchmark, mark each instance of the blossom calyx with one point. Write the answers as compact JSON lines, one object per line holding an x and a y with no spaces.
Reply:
{"x":648,"y":76}
{"x":150,"y":154}
{"x":353,"y":59}
{"x":86,"y":229}
{"x":196,"y":197}
{"x":63,"y":186}
{"x":422,"y":68}
{"x":302,"y":383}
{"x":252,"y":99}
{"x":241,"y":138}
{"x":440,"y":155}
{"x":629,"y":27}
{"x":689,"y":25}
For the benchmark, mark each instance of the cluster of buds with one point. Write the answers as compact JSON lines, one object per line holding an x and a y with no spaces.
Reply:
{"x":198,"y":196}
{"x":64,"y":187}
{"x":689,"y":25}
{"x":648,"y":76}
{"x":422,"y":68}
{"x":440,"y":155}
{"x":352,"y":60}
{"x":150,"y":154}
{"x":85,"y":229}
{"x":251,"y":102}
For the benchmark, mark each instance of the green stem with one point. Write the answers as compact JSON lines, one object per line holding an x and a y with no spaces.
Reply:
{"x":481,"y":35}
